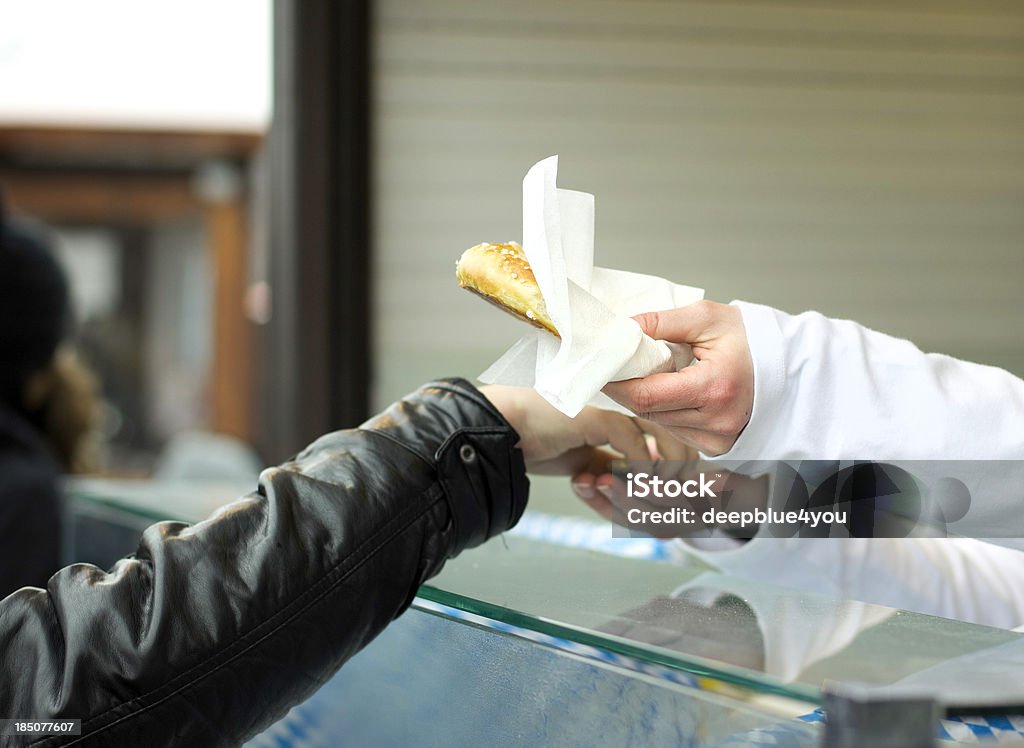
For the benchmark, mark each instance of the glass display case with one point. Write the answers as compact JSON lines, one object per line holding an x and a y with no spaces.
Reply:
{"x":525,"y":642}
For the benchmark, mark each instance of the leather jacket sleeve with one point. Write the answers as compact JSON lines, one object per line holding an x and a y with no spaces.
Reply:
{"x":210,"y":632}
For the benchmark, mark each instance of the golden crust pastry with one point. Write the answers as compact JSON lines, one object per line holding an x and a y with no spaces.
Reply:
{"x":500,"y":274}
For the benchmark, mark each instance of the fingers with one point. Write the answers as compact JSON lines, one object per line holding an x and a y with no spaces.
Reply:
{"x":666,"y":446}
{"x":551,"y":441}
{"x":584,"y":486}
{"x":606,"y":495}
{"x":725,"y":420}
{"x":570,"y":462}
{"x":688,"y":324}
{"x":689,"y":387}
{"x":707,"y":442}
{"x":599,"y":492}
{"x":708,"y":404}
{"x":617,"y":430}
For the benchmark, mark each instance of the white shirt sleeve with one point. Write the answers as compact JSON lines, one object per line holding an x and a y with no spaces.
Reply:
{"x":828,"y":389}
{"x":958,"y":578}
{"x":833,"y":390}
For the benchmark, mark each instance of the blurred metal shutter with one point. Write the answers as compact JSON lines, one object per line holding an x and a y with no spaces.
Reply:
{"x":863,"y":159}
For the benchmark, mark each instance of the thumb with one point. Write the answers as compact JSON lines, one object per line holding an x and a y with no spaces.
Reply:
{"x":687,"y":324}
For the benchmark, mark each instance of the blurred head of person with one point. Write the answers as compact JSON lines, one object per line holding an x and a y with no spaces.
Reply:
{"x":41,"y":378}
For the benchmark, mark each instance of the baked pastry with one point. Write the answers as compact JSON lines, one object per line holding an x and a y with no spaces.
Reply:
{"x":501,"y":274}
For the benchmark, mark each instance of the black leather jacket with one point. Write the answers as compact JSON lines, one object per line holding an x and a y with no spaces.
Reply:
{"x":210,"y":632}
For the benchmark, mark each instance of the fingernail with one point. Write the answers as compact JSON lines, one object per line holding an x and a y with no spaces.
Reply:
{"x":606,"y":491}
{"x":583,"y":490}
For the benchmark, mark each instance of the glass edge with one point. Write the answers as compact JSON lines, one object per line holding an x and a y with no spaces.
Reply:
{"x":692,"y":666}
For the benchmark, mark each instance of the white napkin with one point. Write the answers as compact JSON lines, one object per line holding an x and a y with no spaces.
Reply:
{"x":590,"y":306}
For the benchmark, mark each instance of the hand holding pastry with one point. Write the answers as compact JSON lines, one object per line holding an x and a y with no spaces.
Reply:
{"x":707,"y":404}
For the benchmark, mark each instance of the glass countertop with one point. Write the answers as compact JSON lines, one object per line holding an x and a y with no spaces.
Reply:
{"x":767,"y":639}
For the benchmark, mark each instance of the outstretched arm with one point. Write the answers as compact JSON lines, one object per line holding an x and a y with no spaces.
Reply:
{"x":211,"y":632}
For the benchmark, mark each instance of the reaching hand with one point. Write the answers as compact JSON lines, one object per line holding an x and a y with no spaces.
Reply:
{"x":554,"y":444}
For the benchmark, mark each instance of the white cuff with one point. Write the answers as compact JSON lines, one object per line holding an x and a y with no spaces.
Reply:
{"x":767,"y":351}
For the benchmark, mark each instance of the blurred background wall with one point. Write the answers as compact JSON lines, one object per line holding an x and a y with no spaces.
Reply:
{"x":133,"y":130}
{"x":861,"y":158}
{"x":865,"y":159}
